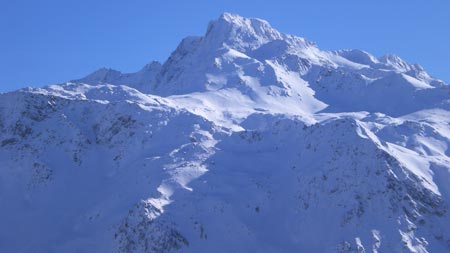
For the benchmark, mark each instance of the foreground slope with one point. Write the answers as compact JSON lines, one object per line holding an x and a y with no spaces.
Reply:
{"x":245,"y":139}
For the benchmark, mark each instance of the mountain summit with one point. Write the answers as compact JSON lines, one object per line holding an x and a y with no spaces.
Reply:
{"x":236,"y":50}
{"x":239,"y":33}
{"x":245,"y":140}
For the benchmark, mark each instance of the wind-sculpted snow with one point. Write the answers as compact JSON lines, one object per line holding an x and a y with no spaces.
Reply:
{"x":245,"y":140}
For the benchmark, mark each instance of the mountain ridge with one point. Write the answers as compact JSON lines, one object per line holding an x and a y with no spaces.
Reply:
{"x":219,"y":32}
{"x":246,"y":139}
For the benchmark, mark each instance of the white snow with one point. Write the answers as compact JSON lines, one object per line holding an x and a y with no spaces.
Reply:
{"x":245,"y":140}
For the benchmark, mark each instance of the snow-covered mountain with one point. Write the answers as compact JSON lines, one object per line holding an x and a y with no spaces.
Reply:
{"x":245,"y":140}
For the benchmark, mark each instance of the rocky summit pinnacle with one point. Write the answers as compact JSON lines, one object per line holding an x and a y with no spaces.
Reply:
{"x":245,"y":140}
{"x":240,"y":33}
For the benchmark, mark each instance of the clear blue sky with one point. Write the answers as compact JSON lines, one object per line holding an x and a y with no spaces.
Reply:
{"x":52,"y":41}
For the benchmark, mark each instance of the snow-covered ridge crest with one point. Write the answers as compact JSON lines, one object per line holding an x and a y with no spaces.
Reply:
{"x":219,"y":60}
{"x":140,"y":80}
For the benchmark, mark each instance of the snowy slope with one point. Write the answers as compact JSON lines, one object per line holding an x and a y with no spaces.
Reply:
{"x":245,"y":140}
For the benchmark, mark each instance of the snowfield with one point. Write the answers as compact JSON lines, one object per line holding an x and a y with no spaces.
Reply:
{"x":245,"y":140}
